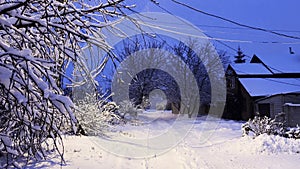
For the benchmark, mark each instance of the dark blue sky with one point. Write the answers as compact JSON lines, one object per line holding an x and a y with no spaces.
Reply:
{"x":280,"y":16}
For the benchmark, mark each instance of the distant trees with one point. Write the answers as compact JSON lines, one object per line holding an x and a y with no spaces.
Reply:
{"x":37,"y":41}
{"x":165,"y":64}
{"x":141,"y":56}
{"x":203,"y":64}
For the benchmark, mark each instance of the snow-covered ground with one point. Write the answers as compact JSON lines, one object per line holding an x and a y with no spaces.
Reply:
{"x":156,"y":144}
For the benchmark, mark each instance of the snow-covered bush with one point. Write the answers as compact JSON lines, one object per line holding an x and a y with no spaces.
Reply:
{"x":127,"y":108}
{"x":145,"y":103}
{"x":96,"y":116}
{"x":293,"y":132}
{"x":263,"y":125}
{"x":161,"y":106}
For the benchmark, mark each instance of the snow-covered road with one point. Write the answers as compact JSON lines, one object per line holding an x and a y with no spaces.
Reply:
{"x":204,"y":147}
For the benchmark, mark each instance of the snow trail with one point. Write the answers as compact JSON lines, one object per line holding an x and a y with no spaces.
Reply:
{"x":225,"y":148}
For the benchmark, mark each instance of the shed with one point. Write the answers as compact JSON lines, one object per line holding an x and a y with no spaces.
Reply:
{"x":274,"y":104}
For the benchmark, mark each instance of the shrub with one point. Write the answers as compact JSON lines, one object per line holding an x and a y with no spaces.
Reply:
{"x":161,"y":106}
{"x":266,"y":125}
{"x":127,"y":108}
{"x":293,"y":132}
{"x":96,"y":116}
{"x":263,"y":125}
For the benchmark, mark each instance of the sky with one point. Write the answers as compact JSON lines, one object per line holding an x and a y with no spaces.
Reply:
{"x":280,"y":16}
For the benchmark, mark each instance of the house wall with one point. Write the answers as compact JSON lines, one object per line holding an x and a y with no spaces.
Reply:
{"x":239,"y":103}
{"x":277,"y":101}
{"x":292,"y":115}
{"x":247,"y":104}
{"x":230,"y":110}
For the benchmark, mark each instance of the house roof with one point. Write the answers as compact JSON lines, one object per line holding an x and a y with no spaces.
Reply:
{"x":255,"y":59}
{"x":286,"y":63}
{"x":250,"y":68}
{"x":288,"y":93}
{"x":270,"y":86}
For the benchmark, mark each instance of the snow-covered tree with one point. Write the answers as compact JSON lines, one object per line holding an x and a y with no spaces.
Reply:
{"x":37,"y":41}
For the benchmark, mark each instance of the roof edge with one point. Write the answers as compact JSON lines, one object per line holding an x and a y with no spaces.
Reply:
{"x":273,"y":95}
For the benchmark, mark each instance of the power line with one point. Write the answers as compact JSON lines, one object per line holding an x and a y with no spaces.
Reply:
{"x":234,"y":22}
{"x":219,"y":41}
{"x":229,"y":27}
{"x":239,"y":28}
{"x":208,"y":37}
{"x":234,"y":40}
{"x":270,"y":79}
{"x":216,"y":39}
{"x":157,"y":4}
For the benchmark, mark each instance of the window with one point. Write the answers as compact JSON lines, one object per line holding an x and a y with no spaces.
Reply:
{"x":230,"y":83}
{"x":264,"y":109}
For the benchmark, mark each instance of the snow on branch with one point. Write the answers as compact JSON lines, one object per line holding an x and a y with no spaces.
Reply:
{"x":37,"y":38}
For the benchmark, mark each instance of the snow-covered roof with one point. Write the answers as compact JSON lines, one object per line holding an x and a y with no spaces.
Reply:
{"x":250,"y":68}
{"x":286,"y":63}
{"x":270,"y":86}
{"x":292,"y":104}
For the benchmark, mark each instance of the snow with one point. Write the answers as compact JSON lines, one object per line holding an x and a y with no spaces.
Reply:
{"x":250,"y":68}
{"x":284,"y":63}
{"x":223,"y":148}
{"x":12,"y":151}
{"x":292,"y":104}
{"x":6,"y":140}
{"x":272,"y":144}
{"x":270,"y":86}
{"x":5,"y":75}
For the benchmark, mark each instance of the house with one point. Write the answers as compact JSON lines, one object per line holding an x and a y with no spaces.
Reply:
{"x":249,"y":83}
{"x":239,"y":100}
